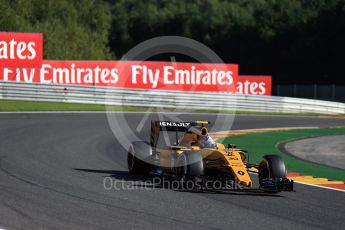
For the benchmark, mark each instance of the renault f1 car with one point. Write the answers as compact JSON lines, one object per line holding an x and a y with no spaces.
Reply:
{"x":187,"y":160}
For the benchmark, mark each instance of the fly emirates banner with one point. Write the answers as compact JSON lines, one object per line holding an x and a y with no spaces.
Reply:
{"x":21,"y":60}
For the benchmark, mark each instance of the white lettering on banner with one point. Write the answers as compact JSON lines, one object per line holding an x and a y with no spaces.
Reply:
{"x":28,"y":77}
{"x":185,"y":76}
{"x":172,"y":76}
{"x":75,"y":75}
{"x":49,"y":74}
{"x":167,"y":73}
{"x":262,"y":86}
{"x":253,"y":88}
{"x":43,"y":72}
{"x":148,"y":75}
{"x":7,"y":71}
{"x":13,"y":50}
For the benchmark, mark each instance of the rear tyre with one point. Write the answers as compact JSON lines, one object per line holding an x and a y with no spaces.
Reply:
{"x":138,"y":151}
{"x":136,"y":166}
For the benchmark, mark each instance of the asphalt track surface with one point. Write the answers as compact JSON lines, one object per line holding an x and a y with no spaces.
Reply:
{"x":328,"y":150}
{"x":52,"y":169}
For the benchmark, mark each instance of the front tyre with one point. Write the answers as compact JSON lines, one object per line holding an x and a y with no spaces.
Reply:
{"x":189,"y":170}
{"x":272,"y":173}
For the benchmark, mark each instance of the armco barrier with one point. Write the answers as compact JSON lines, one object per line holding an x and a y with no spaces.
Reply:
{"x":167,"y":99}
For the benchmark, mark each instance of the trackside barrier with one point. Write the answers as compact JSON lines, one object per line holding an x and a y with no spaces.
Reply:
{"x":166,"y":99}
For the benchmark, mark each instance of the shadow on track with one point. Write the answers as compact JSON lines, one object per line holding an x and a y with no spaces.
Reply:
{"x":119,"y":175}
{"x":150,"y":182}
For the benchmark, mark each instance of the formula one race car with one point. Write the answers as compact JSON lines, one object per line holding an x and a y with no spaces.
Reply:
{"x":189,"y":160}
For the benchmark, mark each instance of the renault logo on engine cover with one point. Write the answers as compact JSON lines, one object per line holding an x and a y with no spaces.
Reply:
{"x":174,"y":124}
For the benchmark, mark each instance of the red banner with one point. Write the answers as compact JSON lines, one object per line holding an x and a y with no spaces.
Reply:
{"x":21,"y":49}
{"x":254,"y":85}
{"x":131,"y":74}
{"x":21,"y":61}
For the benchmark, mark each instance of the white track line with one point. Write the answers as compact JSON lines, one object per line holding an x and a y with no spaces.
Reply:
{"x":320,"y":186}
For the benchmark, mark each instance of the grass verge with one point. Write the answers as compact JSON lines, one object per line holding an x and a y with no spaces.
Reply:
{"x":260,"y":144}
{"x":30,"y":106}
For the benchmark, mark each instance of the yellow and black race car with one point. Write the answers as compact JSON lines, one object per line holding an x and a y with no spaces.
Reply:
{"x":190,"y":159}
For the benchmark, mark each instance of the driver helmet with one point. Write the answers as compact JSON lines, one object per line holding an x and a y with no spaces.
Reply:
{"x":204,"y":131}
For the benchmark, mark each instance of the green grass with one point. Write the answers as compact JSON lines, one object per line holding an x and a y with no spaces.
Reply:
{"x":20,"y":106}
{"x":260,"y":144}
{"x":17,"y":106}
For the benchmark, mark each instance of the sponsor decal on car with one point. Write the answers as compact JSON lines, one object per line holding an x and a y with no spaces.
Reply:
{"x":174,"y":124}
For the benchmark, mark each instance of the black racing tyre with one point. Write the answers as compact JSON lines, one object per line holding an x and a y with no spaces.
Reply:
{"x":137,"y":154}
{"x":189,"y":164}
{"x":272,"y":166}
{"x":136,"y":166}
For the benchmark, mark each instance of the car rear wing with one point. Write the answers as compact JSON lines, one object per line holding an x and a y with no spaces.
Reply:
{"x":171,"y":126}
